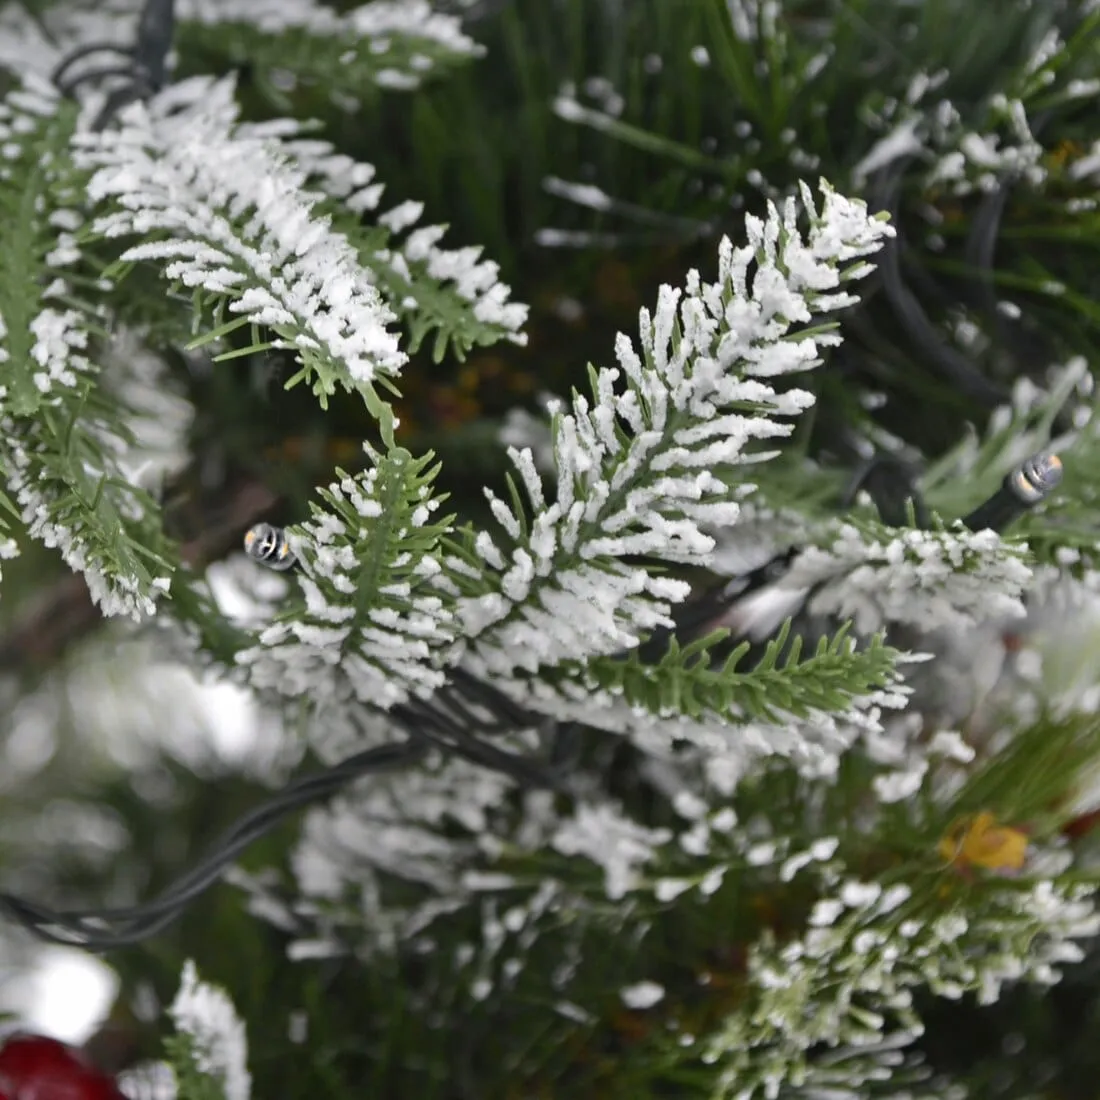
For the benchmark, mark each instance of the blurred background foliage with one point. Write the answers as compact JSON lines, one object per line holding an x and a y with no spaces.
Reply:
{"x":682,"y":126}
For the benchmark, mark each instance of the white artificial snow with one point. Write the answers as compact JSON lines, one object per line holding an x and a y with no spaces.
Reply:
{"x":472,"y":278}
{"x":206,"y":1015}
{"x":848,"y":982}
{"x":566,"y":593}
{"x":899,"y":785}
{"x":149,"y":1081}
{"x":931,"y":579}
{"x":183,"y":176}
{"x":331,"y":653}
{"x":642,"y":995}
{"x":34,"y":46}
{"x":668,"y":889}
{"x":604,"y":835}
{"x":902,"y":141}
{"x":160,"y":417}
{"x":969,"y":160}
{"x":751,"y":20}
{"x":90,"y":541}
{"x":950,"y":744}
{"x":422,"y":826}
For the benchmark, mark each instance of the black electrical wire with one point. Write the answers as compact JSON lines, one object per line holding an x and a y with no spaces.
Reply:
{"x":428,"y":725}
{"x":951,"y":364}
{"x":445,"y":721}
{"x":108,"y":928}
{"x":490,"y":697}
{"x":144,"y":65}
{"x":434,"y":724}
{"x":892,"y":486}
{"x":1023,"y":487}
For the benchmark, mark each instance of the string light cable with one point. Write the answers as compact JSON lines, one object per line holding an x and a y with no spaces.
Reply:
{"x":1024,"y":487}
{"x":143,"y":66}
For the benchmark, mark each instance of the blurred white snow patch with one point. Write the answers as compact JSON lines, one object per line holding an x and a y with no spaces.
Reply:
{"x":246,"y":593}
{"x":149,"y":1081}
{"x":206,"y":1014}
{"x":140,"y":706}
{"x":30,"y":742}
{"x":642,"y":995}
{"x":230,"y":714}
{"x":66,"y":995}
{"x":902,"y":141}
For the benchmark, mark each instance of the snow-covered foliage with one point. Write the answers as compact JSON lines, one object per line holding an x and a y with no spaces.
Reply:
{"x":841,"y":777}
{"x":636,"y":463}
{"x":64,"y":445}
{"x":394,"y":44}
{"x":181,"y":177}
{"x":208,"y":1028}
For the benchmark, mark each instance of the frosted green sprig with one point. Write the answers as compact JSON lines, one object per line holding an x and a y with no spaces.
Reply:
{"x":931,"y":579}
{"x":66,"y":444}
{"x":635,"y":462}
{"x":376,"y":609}
{"x":397,"y":45}
{"x":453,"y":294}
{"x":226,"y":216}
{"x":210,"y":1049}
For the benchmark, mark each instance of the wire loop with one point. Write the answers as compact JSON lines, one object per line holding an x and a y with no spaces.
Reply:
{"x":143,"y":66}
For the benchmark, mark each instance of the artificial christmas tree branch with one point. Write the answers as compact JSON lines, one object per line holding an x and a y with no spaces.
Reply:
{"x":608,"y":849}
{"x":396,"y":636}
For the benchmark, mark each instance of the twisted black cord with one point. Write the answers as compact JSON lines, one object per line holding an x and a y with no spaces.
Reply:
{"x":144,"y":64}
{"x":445,"y":721}
{"x":433,"y":723}
{"x":107,"y":929}
{"x":950,"y":363}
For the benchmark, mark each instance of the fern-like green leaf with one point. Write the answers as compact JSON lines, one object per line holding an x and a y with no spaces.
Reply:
{"x":65,"y":437}
{"x":686,"y":680}
{"x":377,"y":609}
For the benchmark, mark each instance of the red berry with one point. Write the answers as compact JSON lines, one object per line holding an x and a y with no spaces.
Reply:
{"x":33,"y":1067}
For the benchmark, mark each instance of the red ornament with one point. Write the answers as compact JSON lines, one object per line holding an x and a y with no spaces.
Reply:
{"x":33,"y":1067}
